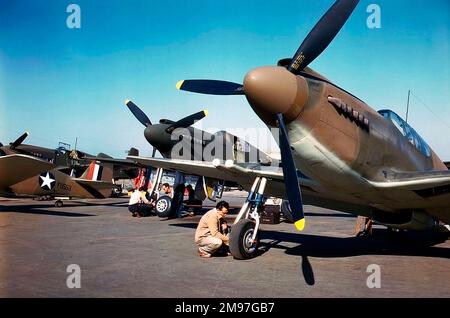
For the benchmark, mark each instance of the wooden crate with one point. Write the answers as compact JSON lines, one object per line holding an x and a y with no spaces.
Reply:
{"x":270,"y":214}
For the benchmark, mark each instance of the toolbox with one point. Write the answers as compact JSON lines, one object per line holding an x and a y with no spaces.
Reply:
{"x":270,"y":214}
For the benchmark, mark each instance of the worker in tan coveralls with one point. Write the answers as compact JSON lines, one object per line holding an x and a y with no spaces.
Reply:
{"x":208,"y":236}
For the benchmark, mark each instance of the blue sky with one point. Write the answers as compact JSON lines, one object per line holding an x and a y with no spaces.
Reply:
{"x":60,"y":83}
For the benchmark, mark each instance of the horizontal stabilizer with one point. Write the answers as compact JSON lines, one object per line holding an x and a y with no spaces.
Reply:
{"x":98,"y":189}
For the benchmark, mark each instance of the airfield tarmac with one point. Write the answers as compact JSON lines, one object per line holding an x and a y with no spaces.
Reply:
{"x":121,"y":256}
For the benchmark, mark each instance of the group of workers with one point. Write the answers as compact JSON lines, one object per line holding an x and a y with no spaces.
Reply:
{"x":212,"y":233}
{"x":142,"y":204}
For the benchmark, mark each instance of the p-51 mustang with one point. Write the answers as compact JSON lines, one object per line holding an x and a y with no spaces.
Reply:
{"x":343,"y":154}
{"x":161,"y":136}
{"x":181,"y":140}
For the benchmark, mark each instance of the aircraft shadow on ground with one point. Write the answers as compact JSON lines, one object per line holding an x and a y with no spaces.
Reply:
{"x":40,"y":210}
{"x":333,"y":215}
{"x":186,"y":225}
{"x":381,"y":243}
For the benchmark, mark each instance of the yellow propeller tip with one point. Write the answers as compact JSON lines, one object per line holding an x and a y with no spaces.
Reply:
{"x":127,"y":101}
{"x":300,"y":225}
{"x":179,"y":84}
{"x":205,"y":112}
{"x":27,"y":133}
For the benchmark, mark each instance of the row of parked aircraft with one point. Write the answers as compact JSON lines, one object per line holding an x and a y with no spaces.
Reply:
{"x":336,"y":151}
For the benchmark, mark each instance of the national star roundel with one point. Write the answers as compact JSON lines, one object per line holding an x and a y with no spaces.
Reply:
{"x":47,"y":181}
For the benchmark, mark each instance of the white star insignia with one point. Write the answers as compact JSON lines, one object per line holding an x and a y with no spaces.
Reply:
{"x":47,"y":181}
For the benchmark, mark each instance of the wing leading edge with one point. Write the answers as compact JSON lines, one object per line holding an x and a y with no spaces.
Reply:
{"x":219,"y":170}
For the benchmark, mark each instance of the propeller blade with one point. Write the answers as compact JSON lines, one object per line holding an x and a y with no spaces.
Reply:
{"x":211,"y":87}
{"x":322,"y":34}
{"x":18,"y":141}
{"x":154,"y":152}
{"x":138,"y":113}
{"x":187,"y":121}
{"x":290,"y":177}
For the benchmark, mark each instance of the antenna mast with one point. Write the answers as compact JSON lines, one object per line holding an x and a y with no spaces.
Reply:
{"x":407,"y":106}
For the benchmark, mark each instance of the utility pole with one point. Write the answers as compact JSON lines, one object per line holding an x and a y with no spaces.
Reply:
{"x":407,"y":106}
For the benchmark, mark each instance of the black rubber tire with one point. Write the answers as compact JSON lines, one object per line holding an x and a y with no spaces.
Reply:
{"x":162,"y":206}
{"x":240,"y":232}
{"x":59,"y":204}
{"x":287,"y":213}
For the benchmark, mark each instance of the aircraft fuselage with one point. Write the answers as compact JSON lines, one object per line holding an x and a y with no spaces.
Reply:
{"x":343,"y":144}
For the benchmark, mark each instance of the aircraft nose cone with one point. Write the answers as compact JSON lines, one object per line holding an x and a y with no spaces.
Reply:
{"x":274,"y":90}
{"x":157,"y":136}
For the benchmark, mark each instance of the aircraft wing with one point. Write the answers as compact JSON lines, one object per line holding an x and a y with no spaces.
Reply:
{"x":425,"y":190}
{"x":416,"y":181}
{"x":16,"y":168}
{"x":117,"y":162}
{"x":313,"y":192}
{"x":218,"y":170}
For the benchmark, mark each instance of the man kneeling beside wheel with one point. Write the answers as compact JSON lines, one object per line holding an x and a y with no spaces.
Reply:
{"x":210,"y":236}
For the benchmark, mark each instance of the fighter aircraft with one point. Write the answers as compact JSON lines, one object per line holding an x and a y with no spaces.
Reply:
{"x":178,"y":139}
{"x":27,"y":170}
{"x":345,"y":155}
{"x":95,"y":183}
{"x":68,"y":161}
{"x":167,"y":134}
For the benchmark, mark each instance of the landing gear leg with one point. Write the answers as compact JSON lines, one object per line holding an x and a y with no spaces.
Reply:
{"x":157,"y":180}
{"x":244,"y":240}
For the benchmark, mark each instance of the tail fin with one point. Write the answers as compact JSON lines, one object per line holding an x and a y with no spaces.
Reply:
{"x":98,"y":172}
{"x":97,"y":180}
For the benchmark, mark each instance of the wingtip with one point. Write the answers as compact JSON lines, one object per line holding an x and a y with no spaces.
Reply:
{"x":300,"y":225}
{"x":179,"y":84}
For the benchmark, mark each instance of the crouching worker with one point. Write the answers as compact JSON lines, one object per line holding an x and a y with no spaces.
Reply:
{"x":208,"y":236}
{"x":135,"y":205}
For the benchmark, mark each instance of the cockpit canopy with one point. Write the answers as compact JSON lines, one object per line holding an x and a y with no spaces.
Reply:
{"x":407,"y":131}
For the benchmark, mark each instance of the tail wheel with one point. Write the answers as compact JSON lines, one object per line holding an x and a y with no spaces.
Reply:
{"x":241,"y":244}
{"x":162,"y":206}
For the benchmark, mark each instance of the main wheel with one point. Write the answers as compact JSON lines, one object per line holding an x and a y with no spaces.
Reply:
{"x":286,"y":210}
{"x":162,"y":206}
{"x":59,"y":203}
{"x":241,"y":245}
